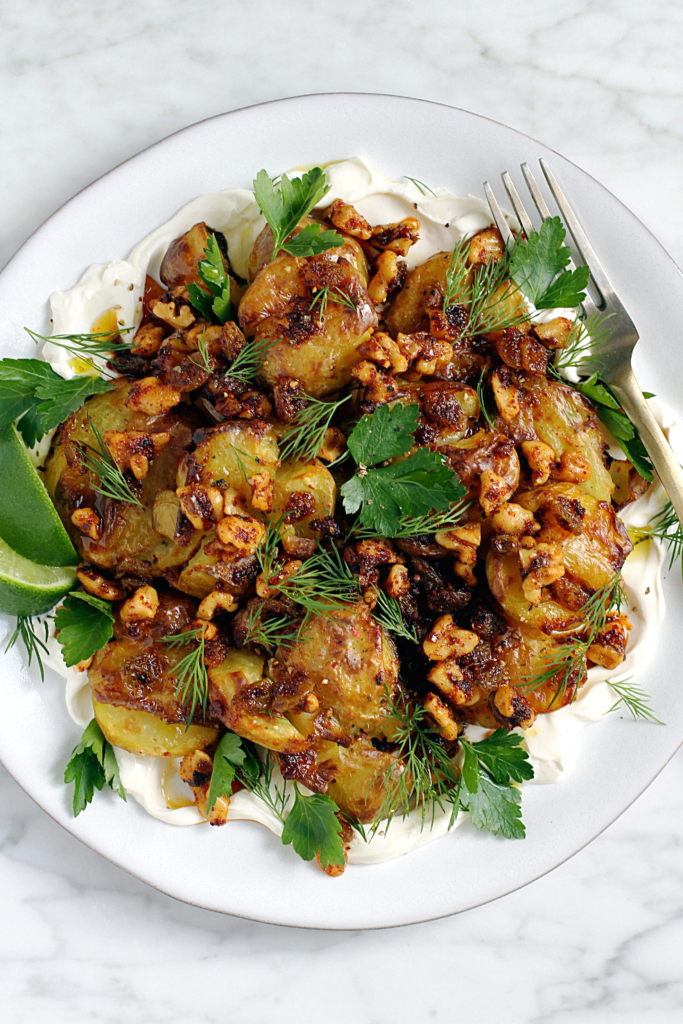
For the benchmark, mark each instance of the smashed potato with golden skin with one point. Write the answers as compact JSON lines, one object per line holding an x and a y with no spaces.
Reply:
{"x":230,"y":455}
{"x":142,"y":732}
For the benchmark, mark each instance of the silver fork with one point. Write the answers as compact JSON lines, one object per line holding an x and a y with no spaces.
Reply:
{"x":613,"y":360}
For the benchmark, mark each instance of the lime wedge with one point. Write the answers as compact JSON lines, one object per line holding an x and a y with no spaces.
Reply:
{"x":30,"y":589}
{"x":29,"y":522}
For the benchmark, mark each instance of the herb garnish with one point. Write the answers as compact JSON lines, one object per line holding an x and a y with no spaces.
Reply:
{"x":416,"y":526}
{"x":414,"y":486}
{"x":284,"y":206}
{"x":536,"y":262}
{"x":213,"y":301}
{"x":327,"y":294}
{"x":420,"y":185}
{"x":312,"y":827}
{"x":490,"y":419}
{"x":664,"y":525}
{"x":617,"y":422}
{"x":484,"y":292}
{"x":248,"y":363}
{"x":92,"y":764}
{"x":388,"y":613}
{"x":97,"y":343}
{"x":99,"y":461}
{"x":634,"y":699}
{"x":26,"y":629}
{"x":84,"y":625}
{"x":192,"y":679}
{"x":303,"y":440}
{"x":30,"y":389}
{"x":228,"y":757}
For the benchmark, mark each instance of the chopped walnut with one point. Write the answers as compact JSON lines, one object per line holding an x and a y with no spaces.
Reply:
{"x":609,"y":647}
{"x":449,"y":678}
{"x":494,"y":491}
{"x":232,"y":340}
{"x":298,"y":547}
{"x":142,"y":605}
{"x":215,"y":601}
{"x":384,"y":351}
{"x":574,"y":467}
{"x":397,"y":237}
{"x":510,"y":704}
{"x":174,"y":313}
{"x":541,"y":459}
{"x":540,"y":566}
{"x":127,"y":445}
{"x":269,"y":587}
{"x":240,"y":534}
{"x":88,"y":522}
{"x":385,"y":275}
{"x":203,"y":505}
{"x":196,"y":770}
{"x":380,"y":386}
{"x":210,"y":335}
{"x":397,"y":582}
{"x":505,"y":393}
{"x":349,"y":220}
{"x":290,"y":398}
{"x":262,"y":490}
{"x":442,"y":715}
{"x":95,"y":584}
{"x":333,"y":446}
{"x":147,"y":340}
{"x":463,"y":541}
{"x":446,"y":640}
{"x":152,"y":397}
{"x":515,"y":520}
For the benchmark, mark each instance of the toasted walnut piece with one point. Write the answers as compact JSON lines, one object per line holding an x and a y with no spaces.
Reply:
{"x":232,"y":340}
{"x":269,"y":587}
{"x":386,"y":273}
{"x":437,"y":356}
{"x":442,"y":715}
{"x":396,"y":237}
{"x":206,"y":630}
{"x":513,"y":519}
{"x":513,"y":707}
{"x":333,"y":446}
{"x":349,"y":220}
{"x":380,"y":386}
{"x":142,"y":605}
{"x":152,"y":397}
{"x":446,"y":640}
{"x":126,"y":445}
{"x":242,"y":534}
{"x":574,"y":467}
{"x":88,"y":522}
{"x":299,"y":547}
{"x":609,"y":647}
{"x":215,"y":601}
{"x":540,"y":566}
{"x":449,"y":678}
{"x":398,"y":581}
{"x":506,"y":394}
{"x":486,"y":245}
{"x":555,"y":333}
{"x":503,"y":700}
{"x":139,"y":466}
{"x":262,"y":491}
{"x":494,"y":491}
{"x":384,"y":351}
{"x":196,"y":770}
{"x":91,"y":580}
{"x":541,"y":459}
{"x":463,"y":541}
{"x":179,"y":316}
{"x":209,"y":335}
{"x":147,"y":340}
{"x":290,"y":398}
{"x":203,"y":505}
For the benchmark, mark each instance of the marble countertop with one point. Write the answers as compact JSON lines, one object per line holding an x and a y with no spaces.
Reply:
{"x":87,"y":85}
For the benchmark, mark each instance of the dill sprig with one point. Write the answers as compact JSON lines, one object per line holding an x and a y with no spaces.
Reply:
{"x":417,"y":526}
{"x":113,"y":483}
{"x":634,"y":699}
{"x":277,"y":631}
{"x":192,"y":686}
{"x":484,"y":313}
{"x":427,"y":778}
{"x":664,"y":526}
{"x":98,"y":343}
{"x":388,"y":613}
{"x":569,"y":659}
{"x":26,"y":630}
{"x":482,"y":400}
{"x":248,"y":363}
{"x":420,"y":186}
{"x":327,"y":294}
{"x":586,"y":340}
{"x":257,"y":777}
{"x":204,"y":359}
{"x":307,"y":430}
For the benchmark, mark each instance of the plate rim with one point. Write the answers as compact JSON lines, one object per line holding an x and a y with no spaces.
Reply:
{"x":160,"y":142}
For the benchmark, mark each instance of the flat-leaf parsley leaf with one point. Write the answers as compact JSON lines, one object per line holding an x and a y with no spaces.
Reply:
{"x":312,"y":827}
{"x":284,"y":206}
{"x":85,"y":625}
{"x":92,"y":764}
{"x":536,"y":262}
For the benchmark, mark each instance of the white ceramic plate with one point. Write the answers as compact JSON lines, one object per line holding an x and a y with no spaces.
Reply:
{"x":242,"y":869}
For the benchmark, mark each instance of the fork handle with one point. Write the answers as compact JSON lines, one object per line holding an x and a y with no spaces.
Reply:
{"x":626,"y":389}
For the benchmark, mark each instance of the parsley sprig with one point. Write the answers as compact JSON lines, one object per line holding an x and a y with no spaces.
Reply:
{"x":84,"y":624}
{"x":538,"y":266}
{"x":285,"y":205}
{"x":414,"y":486}
{"x":92,"y":765}
{"x":212,"y":301}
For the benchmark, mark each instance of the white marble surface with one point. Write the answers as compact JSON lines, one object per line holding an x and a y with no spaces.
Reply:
{"x":87,"y":85}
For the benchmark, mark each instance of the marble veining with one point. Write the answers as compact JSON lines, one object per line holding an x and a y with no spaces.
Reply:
{"x":85,"y":86}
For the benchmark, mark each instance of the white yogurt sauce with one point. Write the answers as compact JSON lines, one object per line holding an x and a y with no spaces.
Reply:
{"x":445,"y":219}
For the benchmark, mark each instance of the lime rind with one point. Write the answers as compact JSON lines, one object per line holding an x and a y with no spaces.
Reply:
{"x":29,"y":522}
{"x":30,"y":589}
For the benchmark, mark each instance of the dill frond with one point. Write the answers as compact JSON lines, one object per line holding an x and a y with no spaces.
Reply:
{"x":248,"y":363}
{"x":26,"y":631}
{"x":99,"y":343}
{"x":257,"y":777}
{"x":277,"y":631}
{"x":482,"y":400}
{"x":586,"y":340}
{"x":327,"y":294}
{"x":99,"y":461}
{"x":192,"y":684}
{"x":664,"y":526}
{"x":307,"y":430}
{"x":388,"y":613}
{"x":417,"y":526}
{"x":634,"y":699}
{"x":420,"y":186}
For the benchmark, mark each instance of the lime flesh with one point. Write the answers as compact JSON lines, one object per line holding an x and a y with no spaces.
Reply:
{"x":30,"y":589}
{"x":29,"y":522}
